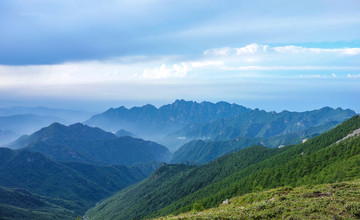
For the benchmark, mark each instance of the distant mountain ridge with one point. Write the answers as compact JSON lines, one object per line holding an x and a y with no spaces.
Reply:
{"x":82,"y":143}
{"x":182,"y":121}
{"x":26,"y":123}
{"x":149,"y":121}
{"x":257,"y":123}
{"x":122,"y":133}
{"x":70,"y":116}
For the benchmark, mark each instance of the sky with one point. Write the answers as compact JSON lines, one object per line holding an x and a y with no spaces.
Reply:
{"x":93,"y":55}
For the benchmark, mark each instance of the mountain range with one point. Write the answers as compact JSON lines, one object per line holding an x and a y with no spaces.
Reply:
{"x":183,"y":121}
{"x":63,"y":171}
{"x":173,"y":189}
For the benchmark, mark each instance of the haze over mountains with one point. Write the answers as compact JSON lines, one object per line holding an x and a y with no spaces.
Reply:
{"x":70,"y":116}
{"x":131,"y":110}
{"x":17,"y":121}
{"x":65,"y":170}
{"x":7,"y":136}
{"x":182,"y":121}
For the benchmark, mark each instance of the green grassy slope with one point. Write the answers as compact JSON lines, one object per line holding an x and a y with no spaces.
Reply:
{"x":328,"y":201}
{"x":315,"y":161}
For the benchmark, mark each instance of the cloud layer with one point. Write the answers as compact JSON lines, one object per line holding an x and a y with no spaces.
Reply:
{"x":58,"y":31}
{"x":262,"y":51}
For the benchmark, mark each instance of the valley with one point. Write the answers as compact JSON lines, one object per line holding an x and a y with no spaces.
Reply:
{"x":65,"y":171}
{"x":142,"y":110}
{"x":175,"y":188}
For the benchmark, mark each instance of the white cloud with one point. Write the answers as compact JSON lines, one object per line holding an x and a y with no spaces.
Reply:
{"x":219,"y":51}
{"x":251,"y":49}
{"x":256,"y":49}
{"x":265,"y":68}
{"x":206,"y":63}
{"x":303,"y":50}
{"x":288,"y":57}
{"x":311,"y":76}
{"x":353,"y":75}
{"x":165,"y":72}
{"x":253,"y":60}
{"x":179,"y":70}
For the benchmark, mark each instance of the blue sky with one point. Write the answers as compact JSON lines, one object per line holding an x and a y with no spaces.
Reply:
{"x":272,"y":55}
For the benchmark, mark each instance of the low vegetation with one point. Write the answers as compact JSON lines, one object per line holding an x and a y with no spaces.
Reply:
{"x":327,"y":201}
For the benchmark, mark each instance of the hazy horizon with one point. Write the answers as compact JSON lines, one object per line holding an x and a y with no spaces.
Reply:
{"x":95,"y":107}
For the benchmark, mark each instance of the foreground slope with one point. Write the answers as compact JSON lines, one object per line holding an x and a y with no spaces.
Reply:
{"x":319,"y":160}
{"x":327,"y":201}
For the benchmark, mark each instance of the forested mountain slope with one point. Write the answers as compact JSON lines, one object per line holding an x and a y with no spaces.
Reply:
{"x":204,"y":151}
{"x":175,"y":188}
{"x":82,"y":143}
{"x":83,"y":184}
{"x":57,"y":133}
{"x":22,"y":204}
